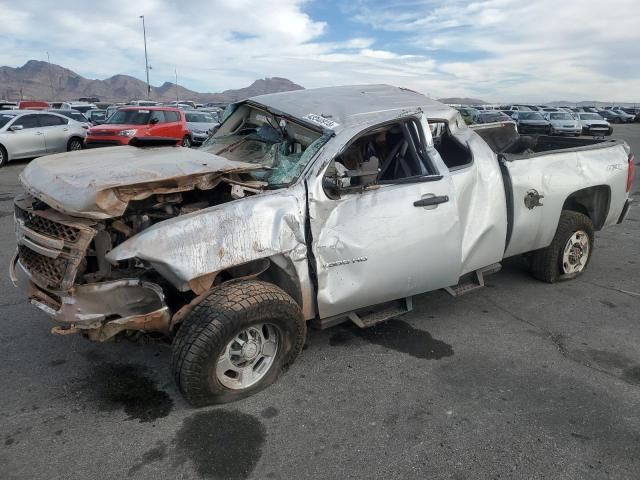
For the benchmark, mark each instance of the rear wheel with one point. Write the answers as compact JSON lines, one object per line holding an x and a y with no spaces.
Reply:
{"x":186,"y":141}
{"x":236,"y":342}
{"x":4,"y":158}
{"x":569,"y":252}
{"x":74,"y":143}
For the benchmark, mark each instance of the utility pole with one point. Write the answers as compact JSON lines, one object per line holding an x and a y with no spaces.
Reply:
{"x":177,"y":97}
{"x":146,"y":59}
{"x":50,"y":80}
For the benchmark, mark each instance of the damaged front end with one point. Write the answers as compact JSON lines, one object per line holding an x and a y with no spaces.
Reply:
{"x":144,"y":269}
{"x":60,"y":264}
{"x":127,"y":239}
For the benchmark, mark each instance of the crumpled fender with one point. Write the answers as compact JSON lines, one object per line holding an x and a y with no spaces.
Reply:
{"x":214,"y":239}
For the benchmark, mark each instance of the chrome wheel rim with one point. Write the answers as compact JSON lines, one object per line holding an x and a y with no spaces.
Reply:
{"x":75,"y":145}
{"x":248,"y":356}
{"x":575,"y":253}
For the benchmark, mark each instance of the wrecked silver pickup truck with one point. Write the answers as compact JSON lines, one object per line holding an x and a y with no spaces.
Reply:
{"x":327,"y":205}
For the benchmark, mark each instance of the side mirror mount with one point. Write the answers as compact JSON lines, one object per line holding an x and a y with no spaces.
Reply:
{"x":153,"y":121}
{"x":15,"y":128}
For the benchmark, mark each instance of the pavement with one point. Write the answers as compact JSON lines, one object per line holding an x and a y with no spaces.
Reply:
{"x":518,"y":380}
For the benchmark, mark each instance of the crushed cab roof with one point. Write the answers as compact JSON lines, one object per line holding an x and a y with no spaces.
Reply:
{"x":354,"y":105}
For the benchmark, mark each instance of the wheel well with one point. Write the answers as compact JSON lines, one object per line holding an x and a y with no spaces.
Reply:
{"x":277,"y":270}
{"x":592,"y":201}
{"x":282,"y":273}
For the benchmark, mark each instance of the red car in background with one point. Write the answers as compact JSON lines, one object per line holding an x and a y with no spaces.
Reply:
{"x":33,"y":105}
{"x":146,"y":123}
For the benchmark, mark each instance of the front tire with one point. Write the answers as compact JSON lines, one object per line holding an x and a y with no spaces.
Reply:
{"x":236,"y":342}
{"x":4,"y":158}
{"x":186,"y":141}
{"x":570,"y":251}
{"x":74,"y":144}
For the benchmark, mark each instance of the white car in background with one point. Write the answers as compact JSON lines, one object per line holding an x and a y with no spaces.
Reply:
{"x":563,"y":123}
{"x":200,"y":125}
{"x":33,"y":133}
{"x":594,"y":124}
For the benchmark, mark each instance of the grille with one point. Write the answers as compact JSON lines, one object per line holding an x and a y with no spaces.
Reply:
{"x":51,"y":269}
{"x":47,"y":227}
{"x":101,"y":143}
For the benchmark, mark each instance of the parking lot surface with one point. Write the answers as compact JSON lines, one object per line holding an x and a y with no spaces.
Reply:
{"x":519,"y":380}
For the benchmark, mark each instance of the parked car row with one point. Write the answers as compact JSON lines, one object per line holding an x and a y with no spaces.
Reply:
{"x":614,"y":114}
{"x":544,"y":120}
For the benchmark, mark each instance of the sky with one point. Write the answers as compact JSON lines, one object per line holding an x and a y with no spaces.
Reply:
{"x":497,"y":50}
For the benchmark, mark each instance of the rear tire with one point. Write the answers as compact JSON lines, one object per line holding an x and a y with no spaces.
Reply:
{"x":74,"y":144}
{"x":4,"y":158}
{"x":570,"y":251}
{"x":236,"y":342}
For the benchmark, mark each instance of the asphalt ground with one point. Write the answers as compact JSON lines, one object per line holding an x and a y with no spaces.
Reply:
{"x":519,"y":380}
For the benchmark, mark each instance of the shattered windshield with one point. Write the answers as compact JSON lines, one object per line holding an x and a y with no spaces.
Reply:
{"x":282,"y":147}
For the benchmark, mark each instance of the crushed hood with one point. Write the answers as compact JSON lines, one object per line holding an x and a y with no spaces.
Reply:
{"x":100,"y":183}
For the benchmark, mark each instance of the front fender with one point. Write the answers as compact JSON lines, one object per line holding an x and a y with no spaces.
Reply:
{"x":214,"y":239}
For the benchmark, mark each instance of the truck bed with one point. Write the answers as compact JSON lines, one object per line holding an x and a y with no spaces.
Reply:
{"x":504,"y":139}
{"x":562,"y":171}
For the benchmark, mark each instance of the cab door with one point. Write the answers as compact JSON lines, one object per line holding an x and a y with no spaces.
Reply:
{"x":393,"y":238}
{"x":26,"y":137}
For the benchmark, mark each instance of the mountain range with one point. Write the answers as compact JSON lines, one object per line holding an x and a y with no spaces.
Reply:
{"x":44,"y":81}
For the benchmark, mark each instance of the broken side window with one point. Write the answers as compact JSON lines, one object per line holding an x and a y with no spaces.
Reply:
{"x":393,"y":153}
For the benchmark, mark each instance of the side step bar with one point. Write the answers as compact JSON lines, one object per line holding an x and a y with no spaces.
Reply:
{"x":472,"y":281}
{"x":369,"y":316}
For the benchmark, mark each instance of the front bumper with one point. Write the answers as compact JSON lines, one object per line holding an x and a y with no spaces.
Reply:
{"x":598,"y":130}
{"x":568,"y":130}
{"x":99,"y":309}
{"x":198,"y":138}
{"x":106,"y":141}
{"x":524,"y":128}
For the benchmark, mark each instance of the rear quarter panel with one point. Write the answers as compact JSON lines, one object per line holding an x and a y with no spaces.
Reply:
{"x":557,"y":175}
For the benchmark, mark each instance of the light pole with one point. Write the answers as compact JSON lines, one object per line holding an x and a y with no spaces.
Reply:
{"x":146,"y":60}
{"x":177,"y":97}
{"x":50,"y":81}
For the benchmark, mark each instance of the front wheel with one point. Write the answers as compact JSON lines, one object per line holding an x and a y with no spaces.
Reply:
{"x":569,"y":252}
{"x":186,"y":141}
{"x":74,"y":144}
{"x":236,"y":342}
{"x":4,"y":158}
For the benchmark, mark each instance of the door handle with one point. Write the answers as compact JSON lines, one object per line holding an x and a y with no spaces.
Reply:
{"x":37,"y":133}
{"x":431,"y":201}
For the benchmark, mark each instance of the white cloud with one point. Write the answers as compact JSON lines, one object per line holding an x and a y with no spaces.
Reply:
{"x":538,"y":50}
{"x":495,"y":49}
